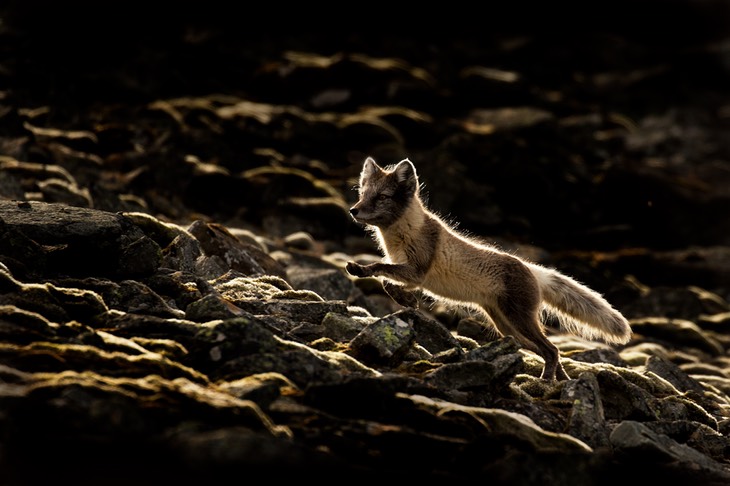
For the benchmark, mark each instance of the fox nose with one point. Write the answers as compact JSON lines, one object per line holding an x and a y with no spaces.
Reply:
{"x":354,"y":211}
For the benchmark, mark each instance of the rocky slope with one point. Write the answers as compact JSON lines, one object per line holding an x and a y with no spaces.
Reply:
{"x":174,"y":231}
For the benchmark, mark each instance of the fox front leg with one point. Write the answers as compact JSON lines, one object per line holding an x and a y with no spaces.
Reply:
{"x":400,"y":294}
{"x":396,"y":292}
{"x":357,"y":270}
{"x":408,"y":275}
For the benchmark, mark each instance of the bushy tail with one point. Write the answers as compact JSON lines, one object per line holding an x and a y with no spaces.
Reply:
{"x":581,"y":310}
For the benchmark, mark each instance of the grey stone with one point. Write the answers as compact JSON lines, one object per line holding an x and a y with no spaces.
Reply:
{"x":82,"y":241}
{"x":385,"y":341}
{"x":639,"y":441}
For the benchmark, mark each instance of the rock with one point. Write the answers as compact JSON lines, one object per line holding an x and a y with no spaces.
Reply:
{"x":674,"y":330}
{"x":587,"y":421}
{"x":476,"y":376}
{"x":634,"y":439}
{"x":329,"y":283}
{"x":263,"y":388}
{"x":79,"y":241}
{"x":384,"y":341}
{"x":240,"y":256}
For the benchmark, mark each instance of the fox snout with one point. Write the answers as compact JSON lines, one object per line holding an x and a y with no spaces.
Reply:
{"x":367,"y":212}
{"x":356,"y":209}
{"x":359,"y":214}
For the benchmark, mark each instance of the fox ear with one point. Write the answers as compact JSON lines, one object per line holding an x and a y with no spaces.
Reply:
{"x":369,"y":168}
{"x":405,"y":171}
{"x":370,"y":165}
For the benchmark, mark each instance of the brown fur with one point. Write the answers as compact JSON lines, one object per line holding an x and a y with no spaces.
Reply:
{"x":422,"y":251}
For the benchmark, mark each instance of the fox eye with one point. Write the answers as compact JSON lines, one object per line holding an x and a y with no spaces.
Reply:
{"x":382,"y":197}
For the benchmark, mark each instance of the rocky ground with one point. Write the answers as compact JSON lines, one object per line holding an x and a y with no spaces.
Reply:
{"x":174,"y":229}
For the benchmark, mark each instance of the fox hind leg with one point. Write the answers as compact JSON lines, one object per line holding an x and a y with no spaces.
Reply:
{"x":515,"y":310}
{"x":523,"y":323}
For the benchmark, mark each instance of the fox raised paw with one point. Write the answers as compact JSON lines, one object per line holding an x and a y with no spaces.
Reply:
{"x":357,"y":270}
{"x":398,"y":293}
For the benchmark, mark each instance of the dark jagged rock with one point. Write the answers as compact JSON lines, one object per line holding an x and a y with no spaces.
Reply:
{"x":79,"y":241}
{"x":404,"y":373}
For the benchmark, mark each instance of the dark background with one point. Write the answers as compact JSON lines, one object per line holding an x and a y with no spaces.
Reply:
{"x":649,"y":169}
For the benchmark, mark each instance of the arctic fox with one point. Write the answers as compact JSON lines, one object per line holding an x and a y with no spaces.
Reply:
{"x":422,"y":251}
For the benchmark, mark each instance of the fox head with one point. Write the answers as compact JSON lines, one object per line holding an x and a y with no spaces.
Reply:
{"x":385,"y":194}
